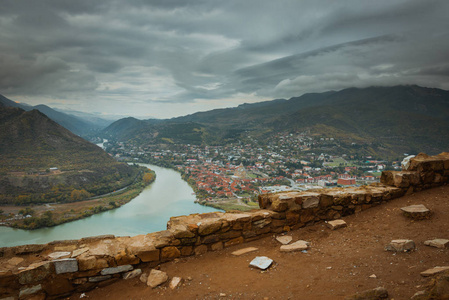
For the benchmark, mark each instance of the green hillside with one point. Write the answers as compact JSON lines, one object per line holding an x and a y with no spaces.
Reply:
{"x":43,"y":162}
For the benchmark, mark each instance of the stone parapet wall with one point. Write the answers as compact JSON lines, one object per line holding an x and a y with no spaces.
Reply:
{"x":57,"y":269}
{"x":423,"y":172}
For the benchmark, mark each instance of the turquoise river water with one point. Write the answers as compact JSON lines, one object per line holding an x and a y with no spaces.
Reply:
{"x":167,"y":196}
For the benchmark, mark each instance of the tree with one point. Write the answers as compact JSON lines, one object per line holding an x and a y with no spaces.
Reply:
{"x":78,"y":195}
{"x":147,"y":178}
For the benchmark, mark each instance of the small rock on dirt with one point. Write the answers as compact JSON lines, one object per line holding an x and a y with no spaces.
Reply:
{"x":284,"y":239}
{"x":175,"y":282}
{"x":244,"y":251}
{"x":434,"y":271}
{"x":296,"y":246}
{"x":336,"y":224}
{"x":401,"y":246}
{"x":438,"y":243}
{"x":261,"y":262}
{"x":417,"y":212}
{"x":156,"y":278}
{"x":144,"y":277}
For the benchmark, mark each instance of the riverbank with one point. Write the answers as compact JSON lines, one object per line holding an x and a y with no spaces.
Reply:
{"x":225,"y":204}
{"x":49,"y":215}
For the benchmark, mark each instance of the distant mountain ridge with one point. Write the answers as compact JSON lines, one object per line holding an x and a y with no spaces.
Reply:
{"x":78,"y":125}
{"x":394,"y":119}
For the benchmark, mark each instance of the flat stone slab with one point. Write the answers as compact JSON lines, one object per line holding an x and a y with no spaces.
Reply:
{"x":416,"y":212}
{"x":336,"y":224}
{"x":434,"y":271}
{"x":261,"y":262}
{"x":437,"y":243}
{"x":78,"y":252}
{"x":99,"y":278}
{"x":244,"y":251}
{"x":401,"y":246}
{"x":56,"y":255}
{"x":296,"y":246}
{"x":156,"y":278}
{"x":115,"y":270}
{"x":284,"y":239}
{"x":66,"y":265}
{"x":377,"y":293}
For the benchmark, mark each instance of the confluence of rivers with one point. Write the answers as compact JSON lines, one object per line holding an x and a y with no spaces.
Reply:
{"x":169,"y":195}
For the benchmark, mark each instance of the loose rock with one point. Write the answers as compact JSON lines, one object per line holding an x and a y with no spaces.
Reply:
{"x":438,"y":243}
{"x":261,"y":262}
{"x":144,"y":277}
{"x":417,"y":212}
{"x":434,"y":271}
{"x":56,"y":255}
{"x":175,"y":282}
{"x":284,"y":239}
{"x":401,"y":246}
{"x":156,"y":278}
{"x":296,"y":246}
{"x":132,"y":274}
{"x":336,"y":224}
{"x":244,"y":251}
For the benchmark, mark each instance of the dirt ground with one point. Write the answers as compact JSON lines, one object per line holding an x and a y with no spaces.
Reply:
{"x":339,"y":263}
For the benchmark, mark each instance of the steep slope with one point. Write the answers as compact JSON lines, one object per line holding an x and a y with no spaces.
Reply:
{"x":75,"y":124}
{"x":31,"y":144}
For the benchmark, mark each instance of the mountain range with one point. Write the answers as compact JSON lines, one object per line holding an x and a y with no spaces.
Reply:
{"x":79,"y":123}
{"x":385,"y":120}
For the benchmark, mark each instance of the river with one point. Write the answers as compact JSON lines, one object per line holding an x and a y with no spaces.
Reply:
{"x":169,"y":195}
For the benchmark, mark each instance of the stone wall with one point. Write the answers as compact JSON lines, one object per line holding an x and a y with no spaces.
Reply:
{"x":60,"y":268}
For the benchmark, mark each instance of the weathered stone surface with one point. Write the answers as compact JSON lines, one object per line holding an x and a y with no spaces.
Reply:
{"x":91,"y":263}
{"x":115,"y":270}
{"x":35,"y":273}
{"x":434,"y":271}
{"x":124,"y":258}
{"x":217,"y":246}
{"x":175,"y":282}
{"x":15,"y":261}
{"x":132,"y":274}
{"x":66,"y":265}
{"x":405,"y":163}
{"x":437,"y":243}
{"x":78,"y":252}
{"x":401,"y":246}
{"x":201,"y":249}
{"x":336,"y":224}
{"x":56,"y":255}
{"x":143,"y":247}
{"x":262,"y":223}
{"x":244,"y":251}
{"x":156,"y":278}
{"x":99,"y":278}
{"x":30,"y":290}
{"x":374,"y":294}
{"x":261,"y":262}
{"x":181,"y":231}
{"x":310,"y":201}
{"x":160,"y":239}
{"x":144,"y":277}
{"x":208,"y":227}
{"x":169,"y":253}
{"x":284,"y":239}
{"x":296,"y":246}
{"x":416,"y":212}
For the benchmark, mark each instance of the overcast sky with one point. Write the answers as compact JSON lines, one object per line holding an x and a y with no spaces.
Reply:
{"x":174,"y":57}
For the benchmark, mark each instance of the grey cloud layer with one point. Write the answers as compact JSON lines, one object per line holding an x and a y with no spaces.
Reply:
{"x":198,"y":55}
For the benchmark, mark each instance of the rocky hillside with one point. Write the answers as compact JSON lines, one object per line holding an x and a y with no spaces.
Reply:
{"x":43,"y":162}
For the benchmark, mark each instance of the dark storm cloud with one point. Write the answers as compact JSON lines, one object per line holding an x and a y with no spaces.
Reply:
{"x":202,"y":54}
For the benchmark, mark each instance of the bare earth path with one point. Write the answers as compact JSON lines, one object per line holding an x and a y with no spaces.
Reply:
{"x":338,"y":263}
